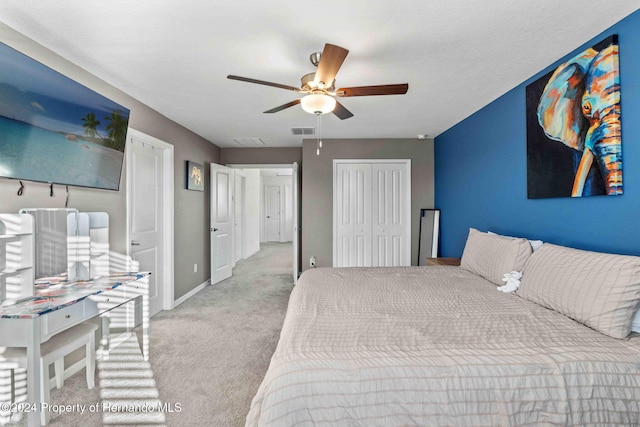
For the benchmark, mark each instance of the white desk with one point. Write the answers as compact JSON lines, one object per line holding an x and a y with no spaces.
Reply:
{"x":58,"y":305}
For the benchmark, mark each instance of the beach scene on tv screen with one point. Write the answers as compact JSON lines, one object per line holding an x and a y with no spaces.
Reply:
{"x":53,"y":129}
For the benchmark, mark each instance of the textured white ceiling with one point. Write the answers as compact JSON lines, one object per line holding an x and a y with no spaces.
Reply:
{"x":174,"y":56}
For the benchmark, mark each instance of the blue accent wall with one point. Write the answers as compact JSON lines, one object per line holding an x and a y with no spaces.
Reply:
{"x":481,"y":172}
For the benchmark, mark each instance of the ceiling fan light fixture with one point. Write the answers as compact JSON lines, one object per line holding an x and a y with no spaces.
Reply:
{"x":319,"y":87}
{"x":318,"y":104}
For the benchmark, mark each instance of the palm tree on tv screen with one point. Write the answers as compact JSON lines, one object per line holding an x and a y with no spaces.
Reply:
{"x":117,"y":129}
{"x":90,"y":125}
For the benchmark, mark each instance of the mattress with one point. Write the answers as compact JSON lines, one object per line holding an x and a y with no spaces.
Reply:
{"x":437,"y":346}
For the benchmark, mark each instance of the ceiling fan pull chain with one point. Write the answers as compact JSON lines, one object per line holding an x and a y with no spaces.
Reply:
{"x":318,"y":136}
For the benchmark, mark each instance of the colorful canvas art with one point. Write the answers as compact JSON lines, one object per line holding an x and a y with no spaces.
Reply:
{"x":574,"y":146}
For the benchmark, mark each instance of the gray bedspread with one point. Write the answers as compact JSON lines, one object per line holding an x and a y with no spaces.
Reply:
{"x":439,"y":346}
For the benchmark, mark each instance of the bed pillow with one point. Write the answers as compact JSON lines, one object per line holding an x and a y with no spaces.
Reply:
{"x":535,"y":244}
{"x":635,"y":323}
{"x":491,"y":255}
{"x":599,"y":290}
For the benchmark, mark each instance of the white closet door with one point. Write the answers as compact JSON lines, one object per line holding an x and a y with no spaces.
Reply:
{"x":391,"y":205}
{"x":353,"y":208}
{"x":372,"y":213}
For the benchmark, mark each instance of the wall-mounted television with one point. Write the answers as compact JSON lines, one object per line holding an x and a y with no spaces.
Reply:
{"x":55,"y":130}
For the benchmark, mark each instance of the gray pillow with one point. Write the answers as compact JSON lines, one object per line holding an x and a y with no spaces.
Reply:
{"x":492,"y":255}
{"x":599,"y":290}
{"x":535,"y":244}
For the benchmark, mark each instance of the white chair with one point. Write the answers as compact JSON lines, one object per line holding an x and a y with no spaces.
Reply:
{"x":53,"y":351}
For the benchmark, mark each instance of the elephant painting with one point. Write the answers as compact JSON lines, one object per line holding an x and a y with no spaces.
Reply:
{"x":578,"y":106}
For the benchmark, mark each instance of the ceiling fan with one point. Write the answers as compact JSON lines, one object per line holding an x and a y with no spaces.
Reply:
{"x":319,"y":87}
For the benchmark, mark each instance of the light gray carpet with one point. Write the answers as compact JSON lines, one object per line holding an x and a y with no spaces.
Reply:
{"x":212,"y":352}
{"x":207,"y":358}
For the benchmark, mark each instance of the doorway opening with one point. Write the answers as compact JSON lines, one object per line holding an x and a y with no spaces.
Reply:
{"x":266,"y":210}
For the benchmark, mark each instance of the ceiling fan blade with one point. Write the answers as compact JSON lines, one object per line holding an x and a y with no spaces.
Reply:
{"x":262,"y":82}
{"x":283,"y":106}
{"x":330,"y":62}
{"x":398,"y":89}
{"x":342,"y":112}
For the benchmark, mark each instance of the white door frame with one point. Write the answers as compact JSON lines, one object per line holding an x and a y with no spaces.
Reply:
{"x":168,"y":209}
{"x":336,"y":162}
{"x":238,"y":176}
{"x":294,"y":190}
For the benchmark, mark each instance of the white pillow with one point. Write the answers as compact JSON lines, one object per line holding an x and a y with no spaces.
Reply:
{"x":535,"y":244}
{"x":635,"y":323}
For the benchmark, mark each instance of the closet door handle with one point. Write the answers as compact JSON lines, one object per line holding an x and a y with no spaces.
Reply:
{"x":135,"y":243}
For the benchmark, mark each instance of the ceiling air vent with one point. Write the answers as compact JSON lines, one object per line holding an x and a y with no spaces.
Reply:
{"x":303,"y":131}
{"x":248,"y":142}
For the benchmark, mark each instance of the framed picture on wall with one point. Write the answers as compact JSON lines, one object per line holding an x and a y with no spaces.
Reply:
{"x":574,"y":147}
{"x":195,"y":176}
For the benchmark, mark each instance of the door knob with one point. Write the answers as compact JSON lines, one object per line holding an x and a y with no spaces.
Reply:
{"x":215,"y":229}
{"x":268,"y":216}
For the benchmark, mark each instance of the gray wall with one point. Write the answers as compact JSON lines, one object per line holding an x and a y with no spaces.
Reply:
{"x":191,"y":208}
{"x":261,"y":156}
{"x":317,"y":184}
{"x":192,"y":214}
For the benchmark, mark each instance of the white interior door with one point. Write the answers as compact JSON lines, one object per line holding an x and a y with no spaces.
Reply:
{"x":145,"y":176}
{"x":272,"y":213}
{"x":221,"y":222}
{"x":391,"y":237}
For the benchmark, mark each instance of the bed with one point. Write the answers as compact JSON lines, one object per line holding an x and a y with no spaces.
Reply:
{"x":439,"y":345}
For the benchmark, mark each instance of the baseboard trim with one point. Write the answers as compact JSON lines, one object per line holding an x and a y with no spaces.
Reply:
{"x":250,"y":254}
{"x":191,"y":293}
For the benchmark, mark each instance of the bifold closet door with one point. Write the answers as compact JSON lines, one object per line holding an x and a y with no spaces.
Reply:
{"x":391,"y":233}
{"x":372,"y":213}
{"x":353,"y":209}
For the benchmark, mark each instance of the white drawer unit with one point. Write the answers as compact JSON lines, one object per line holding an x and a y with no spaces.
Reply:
{"x":119,"y":305}
{"x":62,"y":319}
{"x":109,"y":300}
